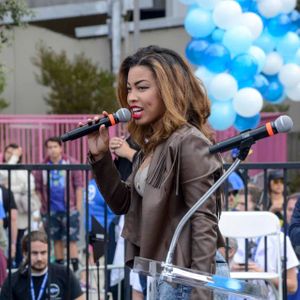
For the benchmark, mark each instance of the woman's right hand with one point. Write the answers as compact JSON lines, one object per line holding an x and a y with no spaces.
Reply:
{"x":98,"y":141}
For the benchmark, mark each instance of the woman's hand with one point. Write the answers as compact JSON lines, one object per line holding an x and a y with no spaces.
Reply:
{"x":98,"y":142}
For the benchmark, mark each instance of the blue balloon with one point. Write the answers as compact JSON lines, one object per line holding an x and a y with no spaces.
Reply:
{"x":243,"y":67}
{"x":194,"y":50}
{"x":222,"y":115}
{"x":288,"y":44}
{"x":216,"y":58}
{"x":246,"y":5}
{"x":246,"y":83}
{"x":242,"y":123}
{"x":275,"y":89}
{"x":261,"y":83}
{"x":217,"y":35}
{"x":279,"y":25}
{"x":266,"y":42}
{"x":199,"y":23}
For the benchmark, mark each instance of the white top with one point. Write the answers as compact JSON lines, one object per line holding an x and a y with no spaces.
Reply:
{"x":258,"y":254}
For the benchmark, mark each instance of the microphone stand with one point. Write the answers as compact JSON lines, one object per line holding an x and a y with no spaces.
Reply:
{"x":243,"y":152}
{"x":168,"y":272}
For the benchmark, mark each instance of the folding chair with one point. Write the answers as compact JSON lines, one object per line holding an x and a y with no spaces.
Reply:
{"x":254,"y":224}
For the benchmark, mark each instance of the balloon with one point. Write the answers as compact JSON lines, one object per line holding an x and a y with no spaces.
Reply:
{"x":245,"y":4}
{"x":226,"y":14}
{"x":273,"y":63}
{"x":275,"y":89}
{"x":253,"y":22}
{"x":195,"y":49}
{"x":217,"y":58}
{"x":259,"y":55}
{"x":223,"y":87}
{"x":242,"y":123}
{"x":294,"y":93}
{"x":217,"y":35}
{"x":243,"y":67}
{"x":199,"y":23}
{"x":187,"y":2}
{"x":280,"y":25}
{"x":266,"y":42}
{"x":247,"y":102}
{"x":222,"y":115}
{"x":238,"y":39}
{"x":208,"y":4}
{"x":204,"y":75}
{"x":289,"y":75}
{"x":288,"y":5}
{"x":279,"y":100}
{"x":261,"y":83}
{"x":269,"y":8}
{"x":288,"y":44}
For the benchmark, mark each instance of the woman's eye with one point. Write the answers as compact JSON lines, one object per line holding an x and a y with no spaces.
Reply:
{"x":141,"y":88}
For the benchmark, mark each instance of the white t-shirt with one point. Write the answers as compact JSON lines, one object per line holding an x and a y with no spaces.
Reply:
{"x":258,"y":254}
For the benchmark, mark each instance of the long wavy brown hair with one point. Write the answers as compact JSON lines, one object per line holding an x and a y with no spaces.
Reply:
{"x":183,"y":95}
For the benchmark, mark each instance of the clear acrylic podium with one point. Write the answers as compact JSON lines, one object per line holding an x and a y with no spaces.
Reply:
{"x":168,"y":272}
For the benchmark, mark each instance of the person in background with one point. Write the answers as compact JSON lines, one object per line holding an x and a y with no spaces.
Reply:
{"x":290,"y":206}
{"x":125,"y":151}
{"x":3,"y":245}
{"x":19,"y":187}
{"x":58,"y":201}
{"x":172,"y":170}
{"x":34,"y":284}
{"x":235,"y":184}
{"x":256,"y":251}
{"x":8,"y":201}
{"x":275,"y":193}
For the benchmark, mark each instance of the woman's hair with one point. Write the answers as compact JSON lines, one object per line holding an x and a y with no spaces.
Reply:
{"x":14,"y":146}
{"x":35,"y":236}
{"x":182,"y":93}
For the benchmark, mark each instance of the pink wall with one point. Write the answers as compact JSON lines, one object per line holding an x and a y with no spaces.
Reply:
{"x":30,"y":131}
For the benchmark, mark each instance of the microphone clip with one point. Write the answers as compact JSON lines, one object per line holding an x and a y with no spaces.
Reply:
{"x":245,"y":147}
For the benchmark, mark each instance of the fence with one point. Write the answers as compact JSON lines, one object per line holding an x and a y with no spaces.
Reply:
{"x":30,"y":132}
{"x":286,"y":167}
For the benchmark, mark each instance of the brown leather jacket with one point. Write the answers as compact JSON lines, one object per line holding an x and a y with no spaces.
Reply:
{"x":180,"y":172}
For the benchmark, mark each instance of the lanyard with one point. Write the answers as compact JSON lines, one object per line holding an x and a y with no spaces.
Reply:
{"x":41,"y":292}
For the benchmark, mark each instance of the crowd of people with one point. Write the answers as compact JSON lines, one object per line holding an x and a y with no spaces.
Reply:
{"x":149,"y":181}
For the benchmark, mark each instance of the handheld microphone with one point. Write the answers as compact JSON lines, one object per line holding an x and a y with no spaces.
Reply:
{"x":281,"y":124}
{"x":122,"y":115}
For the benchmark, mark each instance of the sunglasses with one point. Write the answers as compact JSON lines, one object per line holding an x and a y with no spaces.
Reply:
{"x":279,"y":180}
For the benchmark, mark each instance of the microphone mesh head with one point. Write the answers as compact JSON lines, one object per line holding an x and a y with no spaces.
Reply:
{"x":283,"y":124}
{"x":123,"y":114}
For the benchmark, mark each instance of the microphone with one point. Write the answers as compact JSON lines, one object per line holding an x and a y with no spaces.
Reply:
{"x":281,"y":124}
{"x":122,"y":115}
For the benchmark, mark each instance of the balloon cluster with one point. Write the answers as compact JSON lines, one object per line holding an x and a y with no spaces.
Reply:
{"x":246,"y":51}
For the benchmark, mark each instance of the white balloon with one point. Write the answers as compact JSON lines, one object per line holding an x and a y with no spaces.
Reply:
{"x":207,"y":4}
{"x":204,"y":75}
{"x":288,"y":6}
{"x":247,"y":102}
{"x":294,"y":93}
{"x":253,"y":22}
{"x":269,"y":8}
{"x":226,"y":14}
{"x":273,"y":63}
{"x":223,"y":87}
{"x":260,"y":56}
{"x":289,"y":75}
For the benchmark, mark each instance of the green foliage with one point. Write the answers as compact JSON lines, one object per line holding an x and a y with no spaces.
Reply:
{"x":275,"y":107}
{"x":77,"y":86}
{"x":14,"y":9}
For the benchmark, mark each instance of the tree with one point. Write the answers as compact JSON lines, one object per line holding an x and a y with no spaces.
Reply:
{"x":16,"y":10}
{"x":77,"y":86}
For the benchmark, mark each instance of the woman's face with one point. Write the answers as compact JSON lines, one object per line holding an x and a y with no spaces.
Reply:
{"x":143,"y":97}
